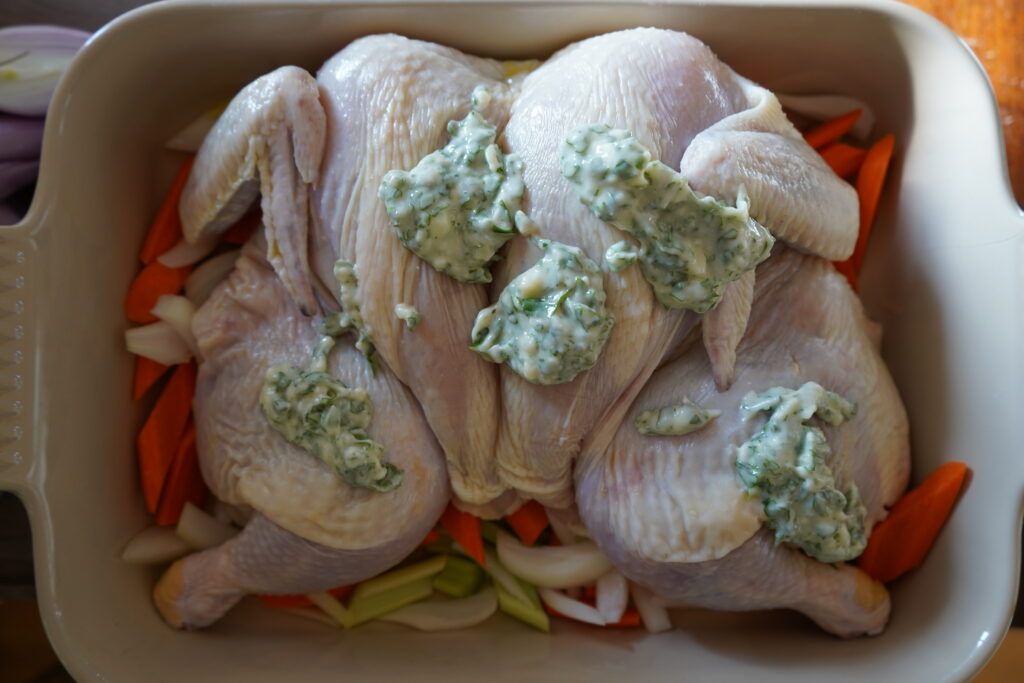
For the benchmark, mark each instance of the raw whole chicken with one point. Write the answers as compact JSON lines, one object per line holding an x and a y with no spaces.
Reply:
{"x":348,"y":250}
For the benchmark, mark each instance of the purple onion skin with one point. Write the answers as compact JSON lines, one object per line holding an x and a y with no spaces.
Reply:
{"x":31,"y":98}
{"x":21,"y":137}
{"x":15,"y":175}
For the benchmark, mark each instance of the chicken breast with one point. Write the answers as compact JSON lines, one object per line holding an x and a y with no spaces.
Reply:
{"x":670,"y":511}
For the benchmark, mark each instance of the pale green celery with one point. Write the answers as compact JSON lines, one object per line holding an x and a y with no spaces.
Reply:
{"x":333,"y":607}
{"x":364,"y":608}
{"x":459,"y":578}
{"x":489,"y":530}
{"x":530,"y":611}
{"x":395,"y":579}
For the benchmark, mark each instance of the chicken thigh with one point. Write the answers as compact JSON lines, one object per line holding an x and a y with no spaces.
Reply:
{"x":311,"y":529}
{"x":670,"y":511}
{"x":682,"y":104}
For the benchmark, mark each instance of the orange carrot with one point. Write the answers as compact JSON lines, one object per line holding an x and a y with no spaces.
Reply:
{"x":900,"y":541}
{"x":529,"y":522}
{"x":154,"y":280}
{"x":161,"y":435}
{"x":842,"y":158}
{"x":240,"y":232}
{"x":147,"y":372}
{"x":433,"y":536}
{"x":870,"y":181}
{"x":464,"y":529}
{"x":184,"y":481}
{"x":165,"y":231}
{"x":831,"y":130}
{"x":301,"y":600}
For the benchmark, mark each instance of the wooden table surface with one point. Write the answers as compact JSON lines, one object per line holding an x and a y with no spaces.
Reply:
{"x":994,"y":29}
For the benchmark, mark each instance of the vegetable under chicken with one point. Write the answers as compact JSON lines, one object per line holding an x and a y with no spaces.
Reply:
{"x":359,"y":369}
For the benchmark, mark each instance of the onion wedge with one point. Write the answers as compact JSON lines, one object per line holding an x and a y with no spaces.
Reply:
{"x":446,"y":615}
{"x":155,"y":545}
{"x":202,"y":531}
{"x":553,"y":566}
{"x":652,"y":610}
{"x":502,"y":575}
{"x":612,"y":596}
{"x":177,"y":311}
{"x":563,"y":604}
{"x":157,"y":341}
{"x":186,"y":253}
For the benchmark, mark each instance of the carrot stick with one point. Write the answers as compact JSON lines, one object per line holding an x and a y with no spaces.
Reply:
{"x":147,"y":372}
{"x":529,"y":522}
{"x":340,"y":593}
{"x":900,"y":541}
{"x":842,"y":158}
{"x":870,"y":181}
{"x":831,"y":130}
{"x":154,"y":280}
{"x":433,"y":536}
{"x":161,"y":435}
{"x":165,"y":230}
{"x":464,"y":529}
{"x":184,"y":481}
{"x":240,"y":232}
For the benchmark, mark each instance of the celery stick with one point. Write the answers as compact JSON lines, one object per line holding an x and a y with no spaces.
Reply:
{"x":529,"y":612}
{"x":397,"y":577}
{"x":366,"y":607}
{"x":489,"y":530}
{"x":334,"y":609}
{"x":460,"y":577}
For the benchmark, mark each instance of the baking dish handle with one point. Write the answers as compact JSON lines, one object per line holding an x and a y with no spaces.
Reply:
{"x":17,"y":358}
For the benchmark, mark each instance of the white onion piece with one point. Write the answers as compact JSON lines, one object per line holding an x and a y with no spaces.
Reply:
{"x":207,"y":275}
{"x":652,"y":610}
{"x":446,"y":615}
{"x":155,"y":545}
{"x":612,"y":596}
{"x":177,"y":311}
{"x":186,"y":253}
{"x":201,"y":530}
{"x":824,"y":107}
{"x":190,"y":138}
{"x":553,"y":566}
{"x":333,"y":608}
{"x":157,"y":341}
{"x":498,"y":572}
{"x":580,"y":611}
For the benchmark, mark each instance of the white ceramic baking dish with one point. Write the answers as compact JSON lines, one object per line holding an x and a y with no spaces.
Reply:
{"x":943,"y":276}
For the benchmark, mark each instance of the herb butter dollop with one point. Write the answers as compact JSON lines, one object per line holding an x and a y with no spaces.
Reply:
{"x":550,"y":323}
{"x":784,"y":464}
{"x":685,"y":418}
{"x":691,"y":245}
{"x":456,"y":207}
{"x":320,"y":414}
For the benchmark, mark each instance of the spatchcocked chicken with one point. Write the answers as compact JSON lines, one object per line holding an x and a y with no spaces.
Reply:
{"x":601,"y":282}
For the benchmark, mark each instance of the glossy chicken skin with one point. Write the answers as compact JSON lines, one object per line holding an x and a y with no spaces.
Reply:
{"x":311,"y":531}
{"x":681,"y":103}
{"x":669,"y":510}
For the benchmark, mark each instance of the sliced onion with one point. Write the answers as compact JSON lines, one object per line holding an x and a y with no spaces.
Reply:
{"x":190,"y":138}
{"x":177,"y":311}
{"x":333,"y":608}
{"x":201,"y":530}
{"x":157,"y":341}
{"x":498,"y":572}
{"x":652,"y":610}
{"x":580,"y":611}
{"x":15,"y":175}
{"x":186,"y":253}
{"x":612,"y":596}
{"x":202,"y":280}
{"x":553,"y":566}
{"x":21,"y":137}
{"x":824,"y":107}
{"x":155,"y":545}
{"x":32,"y":60}
{"x":446,"y":615}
